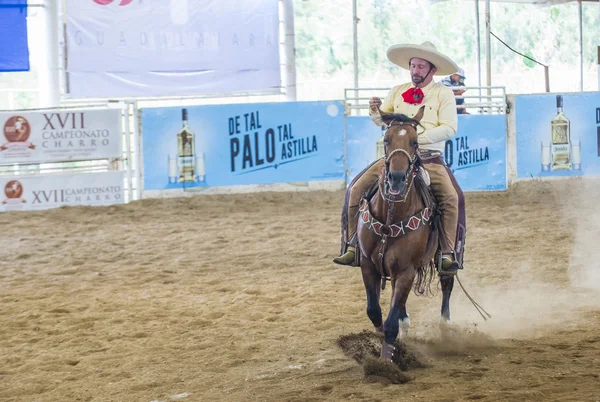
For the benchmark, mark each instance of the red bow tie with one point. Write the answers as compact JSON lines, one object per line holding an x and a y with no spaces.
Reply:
{"x":413,"y":95}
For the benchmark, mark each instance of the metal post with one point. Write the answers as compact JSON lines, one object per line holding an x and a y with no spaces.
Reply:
{"x":290,"y":50}
{"x":547,"y":75}
{"x":137,"y":138}
{"x":62,"y":51}
{"x":128,"y":154}
{"x":355,"y":47}
{"x":488,"y":51}
{"x":478,"y":47}
{"x":49,"y":75}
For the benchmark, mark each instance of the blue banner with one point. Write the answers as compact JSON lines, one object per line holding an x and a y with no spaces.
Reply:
{"x":361,"y":144}
{"x":14,"y":49}
{"x":558,"y":135}
{"x":476,"y":155}
{"x":226,"y":145}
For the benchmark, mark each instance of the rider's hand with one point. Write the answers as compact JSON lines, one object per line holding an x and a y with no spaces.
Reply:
{"x":374,"y":103}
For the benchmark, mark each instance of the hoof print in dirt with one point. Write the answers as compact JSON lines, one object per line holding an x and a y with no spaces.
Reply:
{"x":365,"y":348}
{"x":377,"y":370}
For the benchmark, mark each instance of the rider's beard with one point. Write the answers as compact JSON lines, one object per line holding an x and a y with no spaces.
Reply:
{"x":417,"y":79}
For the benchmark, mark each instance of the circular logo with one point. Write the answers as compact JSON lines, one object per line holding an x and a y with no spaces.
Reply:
{"x":13,"y":189}
{"x":17,"y":129}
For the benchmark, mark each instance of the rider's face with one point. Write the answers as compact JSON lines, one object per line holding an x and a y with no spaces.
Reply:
{"x":421,"y":71}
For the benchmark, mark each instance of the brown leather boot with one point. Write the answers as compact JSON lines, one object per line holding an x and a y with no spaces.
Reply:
{"x":347,"y":258}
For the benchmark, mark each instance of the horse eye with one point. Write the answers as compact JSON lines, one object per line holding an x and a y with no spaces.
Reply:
{"x":385,"y":141}
{"x":415,"y":144}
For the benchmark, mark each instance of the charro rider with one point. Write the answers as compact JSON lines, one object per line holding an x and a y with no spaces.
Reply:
{"x":440,"y":122}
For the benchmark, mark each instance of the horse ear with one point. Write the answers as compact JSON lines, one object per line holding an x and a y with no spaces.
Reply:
{"x":420,"y":113}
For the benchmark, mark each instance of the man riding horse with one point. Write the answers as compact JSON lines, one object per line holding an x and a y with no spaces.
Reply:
{"x":438,"y":124}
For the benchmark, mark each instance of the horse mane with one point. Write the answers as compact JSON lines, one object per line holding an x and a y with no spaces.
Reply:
{"x":388,"y":118}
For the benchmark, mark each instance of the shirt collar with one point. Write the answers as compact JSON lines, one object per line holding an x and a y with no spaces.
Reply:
{"x":428,"y":86}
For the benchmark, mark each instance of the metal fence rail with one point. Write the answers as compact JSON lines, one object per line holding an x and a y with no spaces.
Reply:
{"x":478,"y":100}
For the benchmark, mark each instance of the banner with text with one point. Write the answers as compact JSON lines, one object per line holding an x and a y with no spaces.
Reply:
{"x":476,"y":155}
{"x":558,"y":135}
{"x":126,"y":48}
{"x":28,"y":193}
{"x":224,"y":145}
{"x":60,"y":135}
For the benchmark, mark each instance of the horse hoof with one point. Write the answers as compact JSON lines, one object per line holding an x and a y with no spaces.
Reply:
{"x":387,"y":351}
{"x":379,"y":329}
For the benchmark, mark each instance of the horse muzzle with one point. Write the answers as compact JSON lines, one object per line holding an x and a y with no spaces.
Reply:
{"x":396,"y":181}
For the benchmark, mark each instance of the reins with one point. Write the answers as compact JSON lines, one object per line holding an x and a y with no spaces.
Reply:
{"x":410,"y":173}
{"x":475,"y":304}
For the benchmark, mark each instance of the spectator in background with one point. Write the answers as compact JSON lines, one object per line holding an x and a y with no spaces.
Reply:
{"x":457,"y":80}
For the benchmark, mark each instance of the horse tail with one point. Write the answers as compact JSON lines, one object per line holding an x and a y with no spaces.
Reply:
{"x":425,"y":275}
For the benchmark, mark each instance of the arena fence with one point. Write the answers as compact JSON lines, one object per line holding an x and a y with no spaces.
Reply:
{"x":476,"y":100}
{"x":282,"y":146}
{"x":72,"y":155}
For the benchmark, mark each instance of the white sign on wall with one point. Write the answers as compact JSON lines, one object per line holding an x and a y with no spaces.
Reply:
{"x":60,"y":135}
{"x":27,"y":193}
{"x":127,"y":48}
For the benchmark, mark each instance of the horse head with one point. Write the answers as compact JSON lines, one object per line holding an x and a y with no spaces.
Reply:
{"x":401,"y":144}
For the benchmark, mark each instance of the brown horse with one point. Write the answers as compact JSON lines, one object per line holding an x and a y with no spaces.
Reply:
{"x":398,"y":232}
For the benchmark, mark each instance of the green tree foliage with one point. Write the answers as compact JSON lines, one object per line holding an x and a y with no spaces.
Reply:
{"x":549,"y":34}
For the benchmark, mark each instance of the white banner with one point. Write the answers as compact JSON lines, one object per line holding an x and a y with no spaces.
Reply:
{"x":27,"y":193}
{"x":60,"y":135}
{"x":121,"y":48}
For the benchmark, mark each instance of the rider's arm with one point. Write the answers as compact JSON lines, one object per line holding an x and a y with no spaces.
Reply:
{"x":387,"y":105}
{"x":448,"y":120}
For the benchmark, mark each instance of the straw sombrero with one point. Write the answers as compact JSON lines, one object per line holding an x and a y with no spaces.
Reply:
{"x":401,"y":55}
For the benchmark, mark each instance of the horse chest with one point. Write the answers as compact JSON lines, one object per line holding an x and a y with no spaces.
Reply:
{"x":401,"y":241}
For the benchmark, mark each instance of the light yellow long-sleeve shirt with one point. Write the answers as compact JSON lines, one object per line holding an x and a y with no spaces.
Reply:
{"x":440,"y":119}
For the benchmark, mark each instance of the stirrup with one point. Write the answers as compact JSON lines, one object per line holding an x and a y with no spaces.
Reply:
{"x":452,"y":266}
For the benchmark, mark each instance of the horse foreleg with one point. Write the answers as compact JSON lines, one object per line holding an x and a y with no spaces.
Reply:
{"x":371,"y":280}
{"x":402,"y":285}
{"x":447,"y":282}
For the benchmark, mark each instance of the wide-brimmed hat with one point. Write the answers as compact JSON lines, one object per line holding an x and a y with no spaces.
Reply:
{"x":401,"y":55}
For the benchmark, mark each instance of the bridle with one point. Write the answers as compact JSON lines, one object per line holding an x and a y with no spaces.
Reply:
{"x":410,"y":172}
{"x":387,"y":229}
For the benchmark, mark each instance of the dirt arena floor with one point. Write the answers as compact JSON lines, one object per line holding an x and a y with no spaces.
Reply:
{"x":235,"y":298}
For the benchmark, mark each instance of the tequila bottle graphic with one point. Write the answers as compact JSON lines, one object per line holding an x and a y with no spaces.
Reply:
{"x":561,"y":139}
{"x":188,"y":165}
{"x":185,"y":151}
